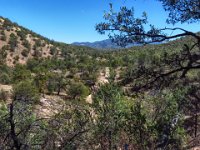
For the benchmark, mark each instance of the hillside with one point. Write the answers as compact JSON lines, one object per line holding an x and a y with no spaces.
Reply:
{"x":59,"y":96}
{"x":21,"y":44}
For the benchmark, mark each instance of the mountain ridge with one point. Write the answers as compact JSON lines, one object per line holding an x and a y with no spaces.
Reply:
{"x":103,"y":44}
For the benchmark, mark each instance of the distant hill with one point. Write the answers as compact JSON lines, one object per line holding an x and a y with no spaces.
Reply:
{"x":18,"y":45}
{"x":104,"y":44}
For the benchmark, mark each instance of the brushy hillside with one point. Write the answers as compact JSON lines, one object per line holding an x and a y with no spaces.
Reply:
{"x":21,"y":44}
{"x":59,"y":96}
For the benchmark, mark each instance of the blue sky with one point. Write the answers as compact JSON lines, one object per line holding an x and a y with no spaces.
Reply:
{"x":74,"y":20}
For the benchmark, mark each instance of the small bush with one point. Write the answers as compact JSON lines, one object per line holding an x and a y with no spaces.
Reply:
{"x":16,"y":58}
{"x":3,"y":95}
{"x":3,"y":38}
{"x":78,"y":90}
{"x":26,"y":44}
{"x":13,"y":41}
{"x":27,"y":92}
{"x":5,"y":78}
{"x":53,"y":50}
{"x":25,"y":53}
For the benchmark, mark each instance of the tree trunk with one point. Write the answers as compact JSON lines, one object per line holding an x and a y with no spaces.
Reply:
{"x":16,"y":141}
{"x":58,"y":92}
{"x":110,"y":139}
{"x":196,"y":120}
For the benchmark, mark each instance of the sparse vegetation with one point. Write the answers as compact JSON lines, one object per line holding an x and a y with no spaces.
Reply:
{"x":3,"y":36}
{"x":13,"y":42}
{"x":59,"y":96}
{"x":25,"y":52}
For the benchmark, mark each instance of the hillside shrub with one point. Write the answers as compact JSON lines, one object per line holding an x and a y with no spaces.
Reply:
{"x":5,"y":78}
{"x":13,"y":41}
{"x":25,"y":52}
{"x":26,"y":91}
{"x":3,"y":95}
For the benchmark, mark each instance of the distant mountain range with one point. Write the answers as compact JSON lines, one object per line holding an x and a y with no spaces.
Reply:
{"x":104,"y":44}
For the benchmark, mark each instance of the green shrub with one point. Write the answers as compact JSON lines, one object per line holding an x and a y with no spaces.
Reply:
{"x":13,"y":41}
{"x":20,"y":73}
{"x":5,"y":78}
{"x":22,"y":35}
{"x":3,"y":95}
{"x":26,"y":44}
{"x":53,"y":50}
{"x":16,"y":58}
{"x":25,"y":52}
{"x":3,"y":37}
{"x":78,"y":90}
{"x":3,"y":55}
{"x":26,"y":91}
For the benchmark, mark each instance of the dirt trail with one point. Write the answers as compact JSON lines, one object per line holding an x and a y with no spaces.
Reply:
{"x":104,"y":75}
{"x":102,"y":79}
{"x":6,"y":88}
{"x":49,"y":106}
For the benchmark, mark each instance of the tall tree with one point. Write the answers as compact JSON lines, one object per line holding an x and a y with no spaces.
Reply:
{"x":182,"y":10}
{"x":19,"y":117}
{"x":124,"y":28}
{"x":172,"y":69}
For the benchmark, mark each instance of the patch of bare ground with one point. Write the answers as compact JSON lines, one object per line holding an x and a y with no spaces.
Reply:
{"x":7,"y":88}
{"x":196,"y":148}
{"x":49,"y":106}
{"x":88,"y":99}
{"x":103,"y":76}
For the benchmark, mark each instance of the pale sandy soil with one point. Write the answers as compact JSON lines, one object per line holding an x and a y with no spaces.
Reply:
{"x":196,"y":148}
{"x":1,"y":20}
{"x":102,"y":79}
{"x":7,"y":88}
{"x":103,"y":76}
{"x":89,"y":99}
{"x":49,"y":106}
